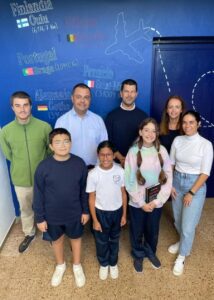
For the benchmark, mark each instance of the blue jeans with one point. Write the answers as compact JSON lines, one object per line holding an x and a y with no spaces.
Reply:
{"x":144,"y":231}
{"x":107,"y":241}
{"x":187,"y":217}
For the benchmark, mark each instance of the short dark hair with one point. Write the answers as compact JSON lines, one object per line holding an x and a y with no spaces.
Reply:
{"x":80,"y":85}
{"x":105,"y":144}
{"x":22,"y":95}
{"x":193,"y":113}
{"x":129,"y":82}
{"x":57,"y":131}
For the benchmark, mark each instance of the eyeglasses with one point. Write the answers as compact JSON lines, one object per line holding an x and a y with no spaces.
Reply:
{"x":59,"y":143}
{"x":107,"y":155}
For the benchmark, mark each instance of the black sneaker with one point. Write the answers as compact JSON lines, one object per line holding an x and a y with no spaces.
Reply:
{"x":138,"y":265}
{"x":155,"y":261}
{"x":25,"y":243}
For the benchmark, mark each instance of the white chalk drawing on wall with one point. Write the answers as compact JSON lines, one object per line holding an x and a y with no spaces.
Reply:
{"x":126,"y":43}
{"x":207,"y":122}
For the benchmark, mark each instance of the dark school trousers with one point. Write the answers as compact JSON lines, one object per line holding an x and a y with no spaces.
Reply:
{"x":107,"y":241}
{"x":144,"y":231}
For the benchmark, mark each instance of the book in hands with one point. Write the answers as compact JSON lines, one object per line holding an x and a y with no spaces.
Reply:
{"x":152,"y":192}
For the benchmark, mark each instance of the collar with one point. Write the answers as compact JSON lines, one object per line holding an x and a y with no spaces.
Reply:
{"x":29,"y":121}
{"x":74,"y":113}
{"x":192,"y":137}
{"x":121,"y":106}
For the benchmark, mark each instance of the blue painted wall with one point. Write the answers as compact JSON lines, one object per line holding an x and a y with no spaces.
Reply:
{"x":47,"y":46}
{"x":112,"y":41}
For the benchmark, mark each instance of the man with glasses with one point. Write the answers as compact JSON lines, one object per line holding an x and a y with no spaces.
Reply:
{"x":24,"y":142}
{"x":87,"y":129}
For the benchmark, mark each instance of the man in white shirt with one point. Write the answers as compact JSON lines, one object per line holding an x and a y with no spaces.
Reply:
{"x":87,"y":129}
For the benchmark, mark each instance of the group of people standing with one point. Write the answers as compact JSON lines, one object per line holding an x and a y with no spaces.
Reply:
{"x":85,"y":165}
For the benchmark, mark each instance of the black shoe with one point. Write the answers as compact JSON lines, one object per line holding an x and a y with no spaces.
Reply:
{"x":155,"y":261}
{"x":138,"y":265}
{"x":25,"y":243}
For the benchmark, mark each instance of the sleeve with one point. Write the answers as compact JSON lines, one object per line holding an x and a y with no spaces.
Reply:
{"x":207,"y":159}
{"x":48,"y":130}
{"x":109,"y":127}
{"x":166,"y":188}
{"x":91,"y":183}
{"x":103,"y":131}
{"x":123,"y":178}
{"x":83,"y":193}
{"x":136,"y":192}
{"x":38,"y":196}
{"x":6,"y":149}
{"x":173,"y":152}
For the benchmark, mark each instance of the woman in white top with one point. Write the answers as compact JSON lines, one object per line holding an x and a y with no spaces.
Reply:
{"x":192,"y":157}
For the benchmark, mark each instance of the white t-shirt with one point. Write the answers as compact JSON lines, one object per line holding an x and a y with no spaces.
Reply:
{"x":107,"y":185}
{"x":192,"y":154}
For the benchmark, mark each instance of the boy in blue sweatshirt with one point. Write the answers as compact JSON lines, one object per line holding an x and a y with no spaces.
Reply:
{"x":60,"y":202}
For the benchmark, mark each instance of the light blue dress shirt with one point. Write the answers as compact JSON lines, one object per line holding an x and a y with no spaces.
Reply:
{"x":86,"y":133}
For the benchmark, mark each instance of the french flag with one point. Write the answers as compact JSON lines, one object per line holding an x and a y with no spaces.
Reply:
{"x":89,"y":83}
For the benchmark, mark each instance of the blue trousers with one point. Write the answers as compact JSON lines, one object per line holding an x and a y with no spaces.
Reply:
{"x":107,"y":241}
{"x":187,"y":217}
{"x":144,"y":231}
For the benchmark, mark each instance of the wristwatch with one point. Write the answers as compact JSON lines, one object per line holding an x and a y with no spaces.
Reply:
{"x":191,"y":193}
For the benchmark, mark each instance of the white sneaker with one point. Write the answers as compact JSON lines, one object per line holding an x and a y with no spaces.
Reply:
{"x":58,"y":274}
{"x":173,"y":249}
{"x":79,"y":275}
{"x":114,"y":272}
{"x":103,"y":272}
{"x":179,"y":266}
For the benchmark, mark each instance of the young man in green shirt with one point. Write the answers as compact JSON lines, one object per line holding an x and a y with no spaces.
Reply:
{"x":24,"y":142}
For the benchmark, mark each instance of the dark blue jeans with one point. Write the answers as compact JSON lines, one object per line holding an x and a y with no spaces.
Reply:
{"x":144,"y":231}
{"x":107,"y":241}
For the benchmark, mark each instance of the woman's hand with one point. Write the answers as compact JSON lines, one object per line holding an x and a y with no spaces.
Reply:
{"x":173,"y":193}
{"x":187,"y":200}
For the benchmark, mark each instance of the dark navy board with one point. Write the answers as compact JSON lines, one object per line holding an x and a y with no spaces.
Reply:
{"x":185,"y":67}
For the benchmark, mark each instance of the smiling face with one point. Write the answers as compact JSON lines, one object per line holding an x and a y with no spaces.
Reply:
{"x":106,"y":157}
{"x":128,"y":95}
{"x":148,"y":134}
{"x":22,"y":109}
{"x":190,"y":125}
{"x":174,"y":108}
{"x":81,"y":99}
{"x":61,"y":145}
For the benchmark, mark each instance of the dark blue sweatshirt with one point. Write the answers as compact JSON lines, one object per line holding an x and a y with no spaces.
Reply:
{"x":122,"y":126}
{"x":59,"y":191}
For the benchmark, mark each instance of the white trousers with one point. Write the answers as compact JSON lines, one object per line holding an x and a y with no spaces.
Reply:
{"x":25,"y":198}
